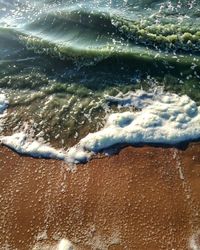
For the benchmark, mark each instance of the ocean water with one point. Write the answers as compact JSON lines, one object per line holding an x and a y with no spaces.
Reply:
{"x":67,"y":66}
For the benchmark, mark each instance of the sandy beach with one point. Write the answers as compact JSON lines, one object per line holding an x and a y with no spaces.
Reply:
{"x":142,"y":198}
{"x":81,"y":82}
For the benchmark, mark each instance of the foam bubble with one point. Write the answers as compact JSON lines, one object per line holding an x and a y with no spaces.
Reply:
{"x":3,"y":103}
{"x":63,"y":244}
{"x":193,"y":243}
{"x":3,"y":106}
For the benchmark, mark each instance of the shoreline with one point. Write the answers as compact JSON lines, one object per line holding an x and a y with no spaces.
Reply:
{"x":141,"y":198}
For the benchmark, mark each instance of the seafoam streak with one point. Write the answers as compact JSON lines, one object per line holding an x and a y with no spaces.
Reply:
{"x":23,"y":144}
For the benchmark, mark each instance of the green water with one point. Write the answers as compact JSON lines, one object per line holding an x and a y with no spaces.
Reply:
{"x":58,"y":59}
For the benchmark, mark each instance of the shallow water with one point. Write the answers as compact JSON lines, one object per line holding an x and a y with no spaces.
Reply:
{"x":65,"y":68}
{"x":60,"y":59}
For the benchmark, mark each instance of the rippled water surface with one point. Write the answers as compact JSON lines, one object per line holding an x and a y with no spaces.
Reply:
{"x":60,"y":59}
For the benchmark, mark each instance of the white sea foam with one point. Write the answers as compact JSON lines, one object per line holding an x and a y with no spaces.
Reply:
{"x":3,"y":106}
{"x":3,"y":103}
{"x":21,"y":143}
{"x":161,"y":117}
{"x":194,"y":241}
{"x":63,"y":244}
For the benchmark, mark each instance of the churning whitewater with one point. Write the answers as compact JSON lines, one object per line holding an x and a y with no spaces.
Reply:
{"x":59,"y":59}
{"x":73,"y":70}
{"x":159,"y":118}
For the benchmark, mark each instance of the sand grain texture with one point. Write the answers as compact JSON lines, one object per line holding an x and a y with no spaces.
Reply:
{"x":142,"y":198}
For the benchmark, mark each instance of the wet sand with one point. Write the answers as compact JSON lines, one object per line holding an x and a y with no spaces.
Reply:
{"x":143,"y":198}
